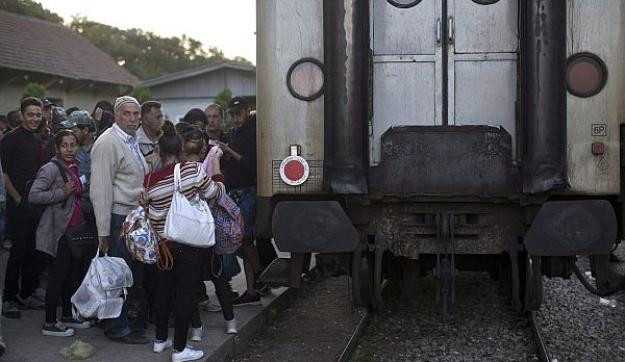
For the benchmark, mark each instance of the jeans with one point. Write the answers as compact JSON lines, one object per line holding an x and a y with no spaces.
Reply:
{"x":120,"y":326}
{"x":182,"y":280}
{"x":246,"y":199}
{"x":23,"y":264}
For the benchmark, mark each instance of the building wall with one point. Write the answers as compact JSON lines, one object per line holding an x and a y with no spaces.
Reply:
{"x":175,"y":109}
{"x":180,"y":96}
{"x":83,"y":95}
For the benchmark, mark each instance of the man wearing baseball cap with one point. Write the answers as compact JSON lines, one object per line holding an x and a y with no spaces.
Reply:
{"x":238,"y":165}
{"x":84,"y":131}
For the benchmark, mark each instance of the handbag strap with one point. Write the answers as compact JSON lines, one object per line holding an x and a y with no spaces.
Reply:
{"x":63,"y":175}
{"x":165,"y":260}
{"x":144,"y":200}
{"x":177,"y":181}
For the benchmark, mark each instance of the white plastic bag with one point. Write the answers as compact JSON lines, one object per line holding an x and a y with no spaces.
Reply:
{"x":188,"y":222}
{"x":103,"y":290}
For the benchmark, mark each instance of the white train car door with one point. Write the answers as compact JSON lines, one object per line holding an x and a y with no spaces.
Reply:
{"x":407,"y":66}
{"x":483,"y":50}
{"x":422,"y":77}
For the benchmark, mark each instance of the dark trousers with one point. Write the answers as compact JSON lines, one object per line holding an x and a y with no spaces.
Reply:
{"x":23,"y":258}
{"x":181,"y":280}
{"x":266,"y":252}
{"x":215,"y":273}
{"x":65,"y":277}
{"x":145,"y":290}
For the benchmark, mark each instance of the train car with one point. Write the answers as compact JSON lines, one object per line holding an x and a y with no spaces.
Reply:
{"x":442,"y":135}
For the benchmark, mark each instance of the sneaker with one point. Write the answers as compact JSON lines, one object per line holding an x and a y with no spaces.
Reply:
{"x":57,"y":330}
{"x":247,"y":299}
{"x":161,"y":346}
{"x":30,"y":303}
{"x":209,"y":306}
{"x":76,"y":323}
{"x":196,"y":334}
{"x":231,"y":326}
{"x":187,"y":354}
{"x":11,"y":310}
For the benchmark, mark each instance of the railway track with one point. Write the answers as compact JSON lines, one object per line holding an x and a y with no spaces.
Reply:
{"x":320,"y":325}
{"x":543,"y":352}
{"x":483,"y":326}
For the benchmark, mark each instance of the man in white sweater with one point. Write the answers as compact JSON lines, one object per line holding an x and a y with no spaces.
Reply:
{"x":117,"y":172}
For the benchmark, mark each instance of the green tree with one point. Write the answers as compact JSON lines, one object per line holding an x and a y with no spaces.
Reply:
{"x":146,"y":54}
{"x":141,"y":94}
{"x":30,"y":8}
{"x":223,"y":98}
{"x":34,"y":89}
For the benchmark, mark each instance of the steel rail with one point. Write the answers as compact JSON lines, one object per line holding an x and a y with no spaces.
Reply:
{"x":351,"y":345}
{"x":543,"y":353}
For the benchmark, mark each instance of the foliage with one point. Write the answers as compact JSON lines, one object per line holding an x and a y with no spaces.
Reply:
{"x":141,"y":94}
{"x":30,"y":8}
{"x":34,"y":89}
{"x":146,"y":54}
{"x":223,"y":98}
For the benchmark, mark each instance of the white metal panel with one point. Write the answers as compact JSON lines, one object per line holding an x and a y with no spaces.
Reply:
{"x":485,"y":28}
{"x":287,"y":30}
{"x":599,"y":28}
{"x":405,"y":30}
{"x":403,"y":94}
{"x":482,"y":61}
{"x":485,"y":93}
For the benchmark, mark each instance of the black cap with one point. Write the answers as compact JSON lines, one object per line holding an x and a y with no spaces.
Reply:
{"x":46,"y":103}
{"x":237,"y":103}
{"x":58,"y":115}
{"x":67,"y":125}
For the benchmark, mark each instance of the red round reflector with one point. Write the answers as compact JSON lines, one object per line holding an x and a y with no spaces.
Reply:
{"x":586,"y":75}
{"x":294,"y":170}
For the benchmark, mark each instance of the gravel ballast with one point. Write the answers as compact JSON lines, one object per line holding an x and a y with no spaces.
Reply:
{"x":577,"y":326}
{"x":483,"y":327}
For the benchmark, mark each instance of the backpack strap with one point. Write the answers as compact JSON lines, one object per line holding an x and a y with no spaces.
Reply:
{"x":63,"y":175}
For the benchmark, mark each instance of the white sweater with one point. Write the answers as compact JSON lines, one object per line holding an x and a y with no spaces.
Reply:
{"x":116,"y":179}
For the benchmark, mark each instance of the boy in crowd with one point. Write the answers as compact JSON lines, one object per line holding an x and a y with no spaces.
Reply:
{"x":20,"y":150}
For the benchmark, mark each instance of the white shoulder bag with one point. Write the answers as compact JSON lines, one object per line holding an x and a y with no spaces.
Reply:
{"x":188,"y":221}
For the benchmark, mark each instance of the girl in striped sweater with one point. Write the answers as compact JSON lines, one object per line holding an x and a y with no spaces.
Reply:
{"x":183,"y":278}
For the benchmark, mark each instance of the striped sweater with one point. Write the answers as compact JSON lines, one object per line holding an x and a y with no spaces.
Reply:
{"x":159,"y":186}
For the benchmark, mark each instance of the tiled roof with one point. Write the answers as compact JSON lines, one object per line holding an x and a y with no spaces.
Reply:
{"x":34,"y":45}
{"x":193,"y":72}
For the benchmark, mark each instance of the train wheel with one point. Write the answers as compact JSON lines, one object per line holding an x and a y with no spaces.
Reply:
{"x":533,"y":283}
{"x":376,"y":301}
{"x":361,"y":279}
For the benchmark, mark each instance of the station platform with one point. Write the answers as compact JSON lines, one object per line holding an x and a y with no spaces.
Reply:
{"x":26,"y":343}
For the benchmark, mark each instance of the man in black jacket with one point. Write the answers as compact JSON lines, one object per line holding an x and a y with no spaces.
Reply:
{"x":238,"y":165}
{"x":20,"y":150}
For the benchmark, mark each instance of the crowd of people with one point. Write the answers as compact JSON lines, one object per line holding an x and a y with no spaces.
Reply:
{"x":62,"y":169}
